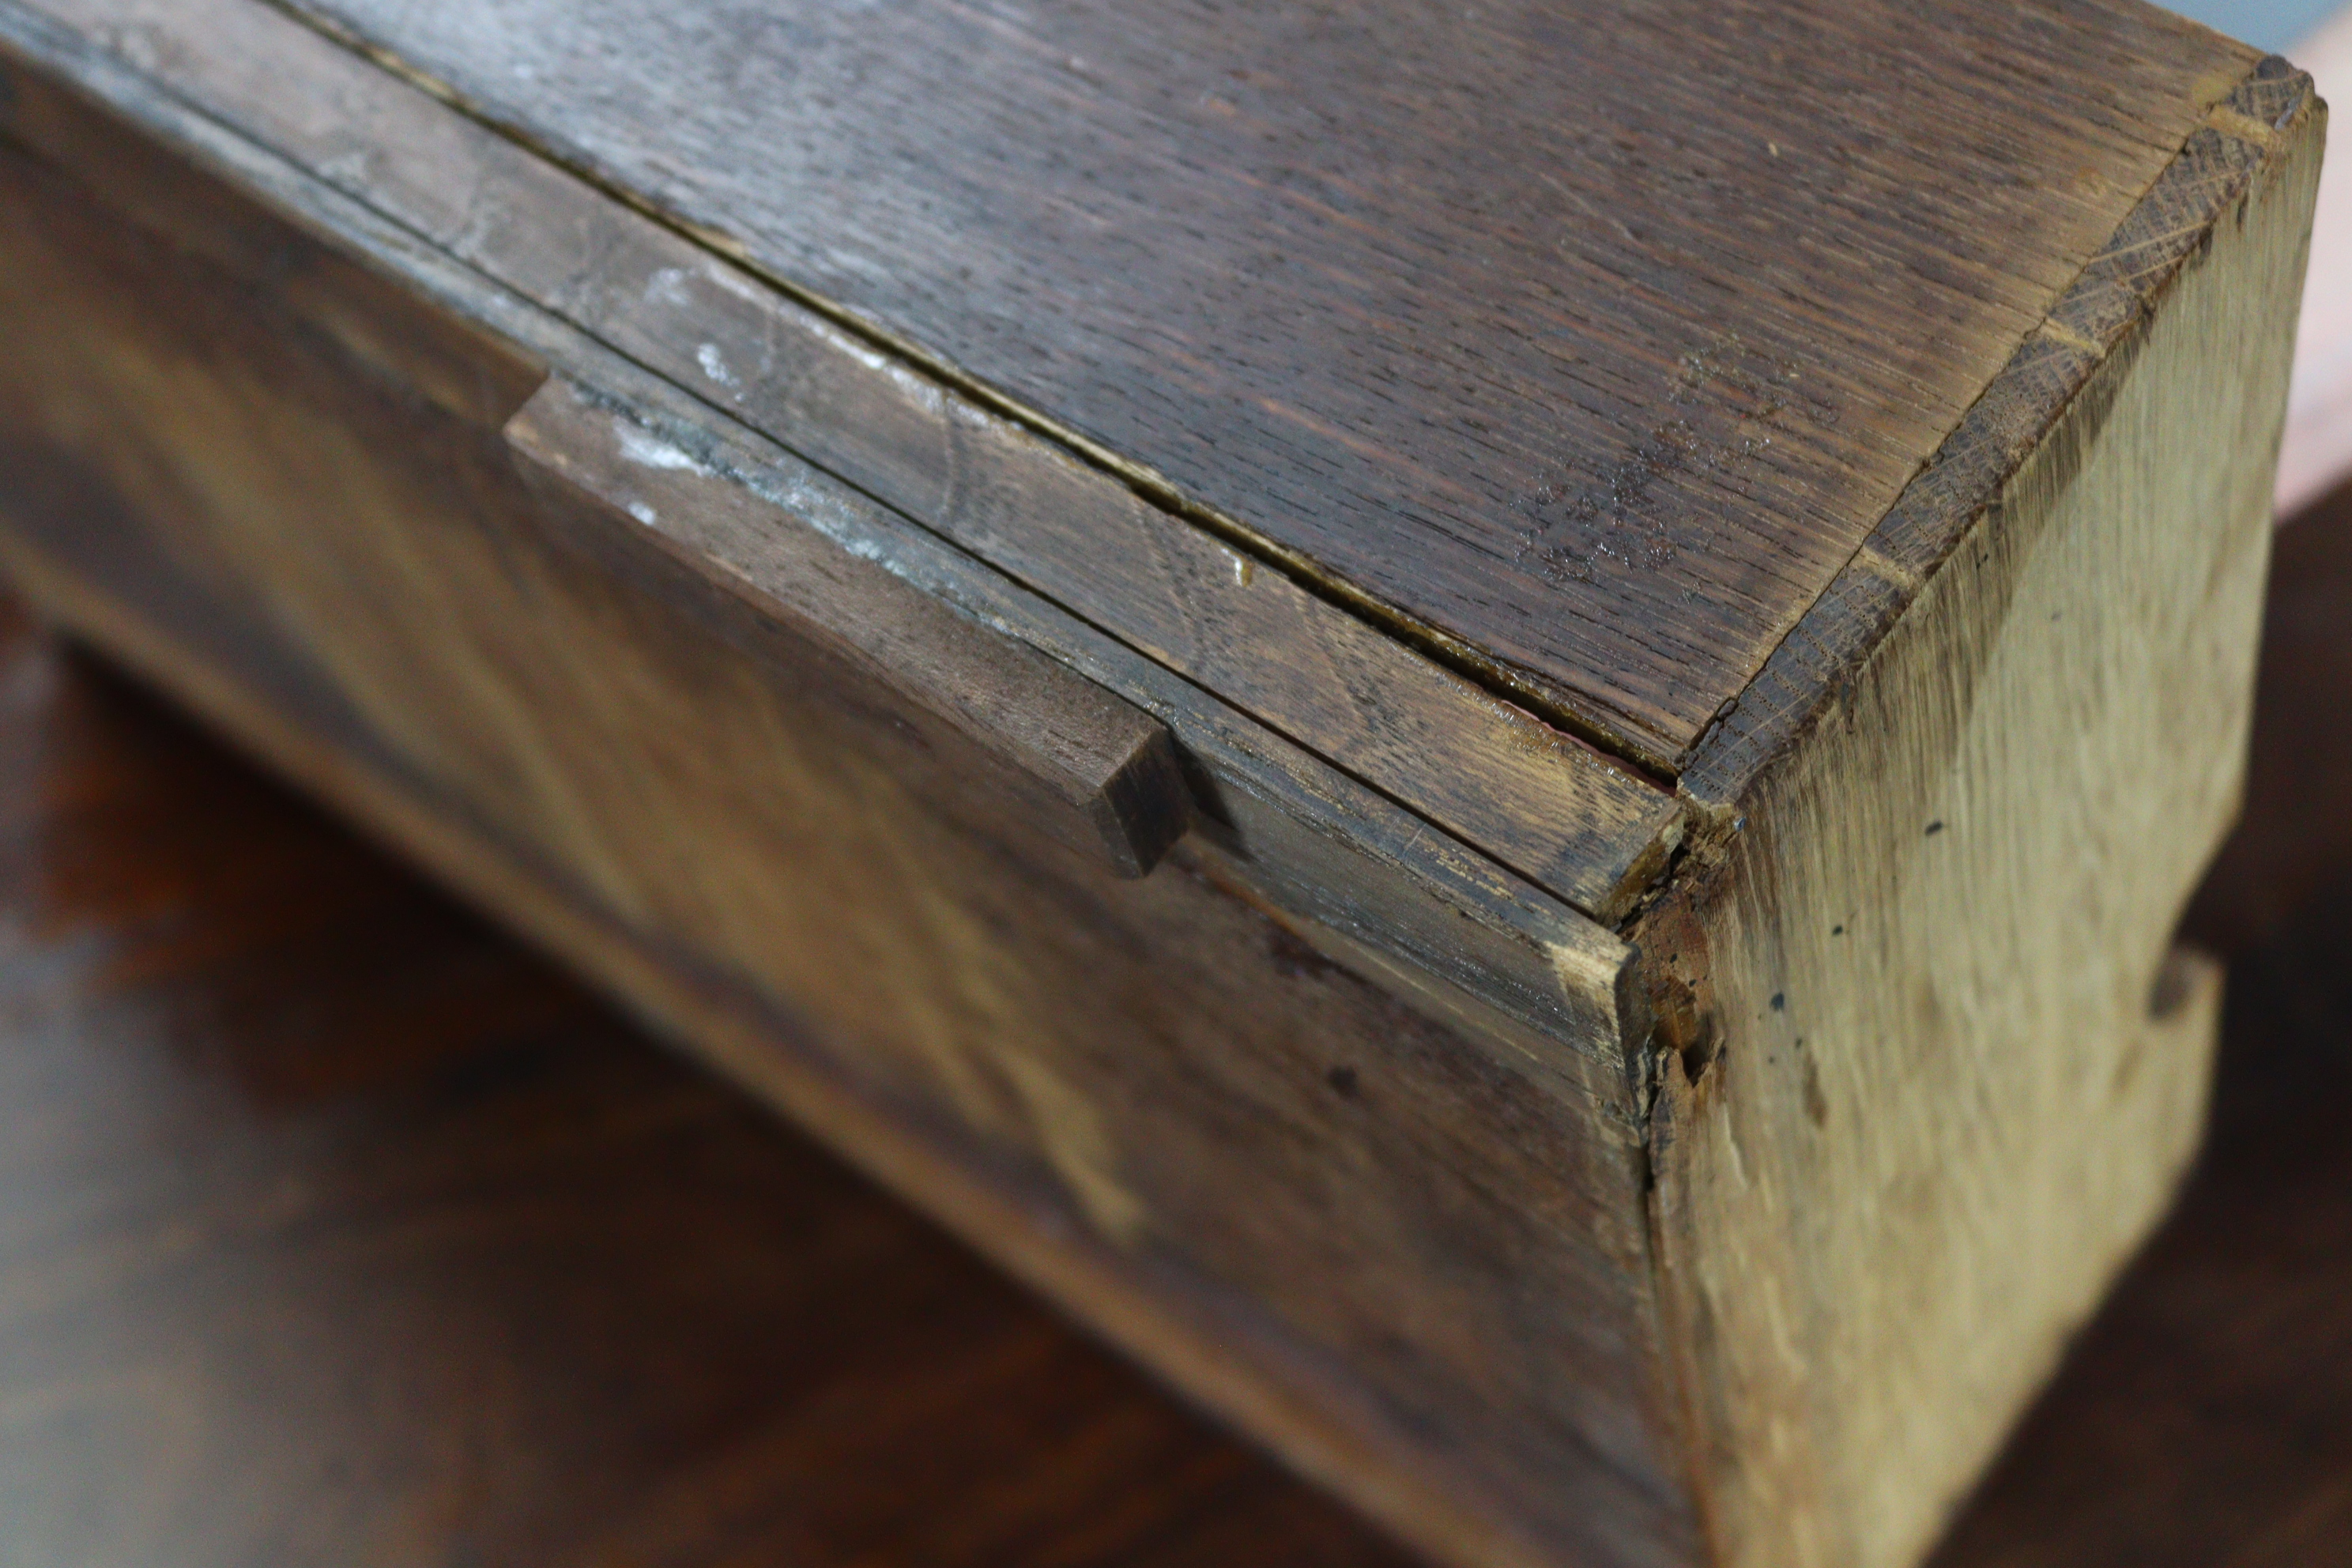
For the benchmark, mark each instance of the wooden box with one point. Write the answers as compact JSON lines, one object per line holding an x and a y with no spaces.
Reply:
{"x":1484,"y":724}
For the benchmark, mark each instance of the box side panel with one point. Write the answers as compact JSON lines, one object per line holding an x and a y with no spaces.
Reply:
{"x":1367,"y":1228}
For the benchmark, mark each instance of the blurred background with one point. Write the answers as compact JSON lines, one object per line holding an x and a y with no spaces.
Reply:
{"x":338,"y":1229}
{"x":2274,"y":25}
{"x":2318,"y":35}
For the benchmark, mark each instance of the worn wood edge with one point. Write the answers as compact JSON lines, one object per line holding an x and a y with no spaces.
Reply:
{"x":1307,"y":1413}
{"x":1307,"y":836}
{"x":2223,"y":160}
{"x":1580,"y":713}
{"x":1588,"y":825}
{"x":1110,"y":767}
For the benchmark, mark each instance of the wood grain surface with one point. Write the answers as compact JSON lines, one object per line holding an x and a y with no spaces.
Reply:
{"x":334,"y":1230}
{"x":1323,"y":842}
{"x":2242,"y":153}
{"x":1384,"y":1225}
{"x":1099,"y":775}
{"x":1314,"y":838}
{"x":1492,"y":771}
{"x":1538,"y":798}
{"x":1592,"y":339}
{"x":288,"y":302}
{"x":2205,"y":1417}
{"x":1935,"y":964}
{"x":337,"y":1230}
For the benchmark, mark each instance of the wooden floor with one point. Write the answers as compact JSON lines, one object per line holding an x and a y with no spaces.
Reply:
{"x":335,"y":1230}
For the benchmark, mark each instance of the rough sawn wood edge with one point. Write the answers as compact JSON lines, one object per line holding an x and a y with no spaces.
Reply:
{"x":2123,"y":284}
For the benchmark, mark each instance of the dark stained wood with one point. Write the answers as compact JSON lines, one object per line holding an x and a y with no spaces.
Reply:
{"x":1313,"y":836}
{"x":705,"y":667}
{"x":1395,"y":1229}
{"x":1594,"y":337}
{"x":1096,"y":772}
{"x":340,"y":1232}
{"x":2120,"y":289}
{"x":1538,"y":799}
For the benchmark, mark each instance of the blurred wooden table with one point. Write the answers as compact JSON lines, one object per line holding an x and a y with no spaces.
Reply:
{"x":336,"y":1229}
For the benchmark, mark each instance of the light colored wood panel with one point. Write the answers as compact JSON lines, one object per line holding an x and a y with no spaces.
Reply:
{"x":1935,"y":1080}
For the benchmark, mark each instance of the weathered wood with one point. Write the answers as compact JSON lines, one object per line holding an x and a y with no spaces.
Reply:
{"x":343,"y":1233}
{"x":1592,"y":339}
{"x":1543,"y":802}
{"x":2206,"y":1415}
{"x":1315,"y":839}
{"x":557,"y":715}
{"x":582,"y":499}
{"x":2022,"y":411}
{"x":489,"y":1275}
{"x":1092,"y":770}
{"x":1937,"y":948}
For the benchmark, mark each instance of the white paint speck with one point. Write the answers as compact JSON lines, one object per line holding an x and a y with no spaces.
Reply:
{"x":714,"y":366}
{"x":647,"y":450}
{"x":843,"y":342}
{"x":735,"y":283}
{"x":643,"y":513}
{"x":668,"y":287}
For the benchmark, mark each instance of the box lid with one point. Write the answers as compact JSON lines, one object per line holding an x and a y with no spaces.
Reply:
{"x":1586,"y":341}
